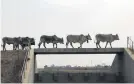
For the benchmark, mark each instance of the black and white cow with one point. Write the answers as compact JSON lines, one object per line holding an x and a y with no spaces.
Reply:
{"x":108,"y":38}
{"x":77,"y":39}
{"x":50,"y":39}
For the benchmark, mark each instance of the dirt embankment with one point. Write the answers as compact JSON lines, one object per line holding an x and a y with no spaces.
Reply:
{"x":11,"y":65}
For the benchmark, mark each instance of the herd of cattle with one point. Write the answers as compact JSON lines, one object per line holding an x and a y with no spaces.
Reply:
{"x":27,"y":41}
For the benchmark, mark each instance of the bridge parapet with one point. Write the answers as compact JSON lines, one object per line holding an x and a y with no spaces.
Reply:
{"x":78,"y":50}
{"x":130,"y":44}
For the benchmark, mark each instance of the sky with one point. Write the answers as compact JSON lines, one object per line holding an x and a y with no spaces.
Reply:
{"x":34,"y":18}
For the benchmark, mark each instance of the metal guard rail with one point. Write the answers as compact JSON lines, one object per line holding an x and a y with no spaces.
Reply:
{"x":130,"y":44}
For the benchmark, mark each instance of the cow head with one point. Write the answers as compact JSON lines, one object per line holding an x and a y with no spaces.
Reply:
{"x":32,"y":40}
{"x":88,"y":37}
{"x":116,"y":37}
{"x":61,"y":41}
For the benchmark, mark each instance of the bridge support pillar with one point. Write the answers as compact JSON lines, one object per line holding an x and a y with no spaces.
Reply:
{"x":117,"y":67}
{"x":29,"y":68}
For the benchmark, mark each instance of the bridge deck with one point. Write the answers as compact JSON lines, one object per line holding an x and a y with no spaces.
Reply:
{"x":79,"y":71}
{"x":78,"y":50}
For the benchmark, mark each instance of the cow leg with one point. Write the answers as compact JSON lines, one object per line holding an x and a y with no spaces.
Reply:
{"x":18,"y":46}
{"x":67,"y":44}
{"x":39,"y":44}
{"x":4,"y":46}
{"x":96,"y":45}
{"x":80,"y":45}
{"x":71,"y":45}
{"x":22,"y":46}
{"x":13,"y":46}
{"x":110,"y":45}
{"x":106,"y":44}
{"x":56,"y":45}
{"x":44,"y":44}
{"x":53,"y":45}
{"x":99,"y":45}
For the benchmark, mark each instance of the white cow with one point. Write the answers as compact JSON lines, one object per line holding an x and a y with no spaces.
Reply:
{"x":108,"y":38}
{"x":50,"y":39}
{"x":77,"y":39}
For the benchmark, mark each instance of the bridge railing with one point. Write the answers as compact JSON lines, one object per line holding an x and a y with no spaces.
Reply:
{"x":130,"y":43}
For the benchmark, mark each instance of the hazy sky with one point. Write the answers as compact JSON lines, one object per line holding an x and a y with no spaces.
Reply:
{"x":34,"y":18}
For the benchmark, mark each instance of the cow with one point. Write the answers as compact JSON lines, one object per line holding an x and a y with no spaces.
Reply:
{"x":16,"y":42}
{"x":9,"y":40}
{"x":77,"y":39}
{"x":108,"y":38}
{"x":50,"y":39}
{"x":26,"y":41}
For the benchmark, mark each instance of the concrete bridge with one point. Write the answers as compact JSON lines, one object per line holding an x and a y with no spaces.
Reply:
{"x":78,"y":51}
{"x":123,"y":62}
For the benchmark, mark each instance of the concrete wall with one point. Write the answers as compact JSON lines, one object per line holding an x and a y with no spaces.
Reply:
{"x":11,"y":65}
{"x":117,"y":63}
{"x":62,"y":77}
{"x":29,"y":69}
{"x":123,"y":65}
{"x":128,"y":66}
